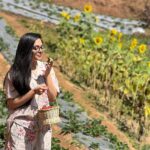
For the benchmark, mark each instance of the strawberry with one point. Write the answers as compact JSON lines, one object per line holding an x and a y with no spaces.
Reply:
{"x":52,"y":100}
{"x":46,"y":107}
{"x":49,"y":107}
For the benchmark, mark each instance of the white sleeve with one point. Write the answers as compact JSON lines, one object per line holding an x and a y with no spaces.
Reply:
{"x":54,"y":79}
{"x":9,"y":89}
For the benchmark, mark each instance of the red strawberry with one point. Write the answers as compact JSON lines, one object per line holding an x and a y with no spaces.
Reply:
{"x":43,"y":107}
{"x":46,"y":107}
{"x":49,"y":107}
{"x":52,"y":100}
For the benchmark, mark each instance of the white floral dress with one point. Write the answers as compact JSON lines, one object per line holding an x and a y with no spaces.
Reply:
{"x":22,"y":126}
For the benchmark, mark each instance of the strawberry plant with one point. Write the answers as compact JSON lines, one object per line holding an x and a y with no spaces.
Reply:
{"x":56,"y":144}
{"x":3,"y":115}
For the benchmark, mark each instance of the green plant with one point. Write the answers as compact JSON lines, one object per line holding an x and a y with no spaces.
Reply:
{"x":93,"y":128}
{"x":24,"y":22}
{"x":95,"y":146}
{"x":3,"y":46}
{"x":117,"y":144}
{"x":3,"y":109}
{"x":10,"y":31}
{"x":108,"y":62}
{"x":56,"y":144}
{"x":145,"y":147}
{"x":73,"y":124}
{"x":2,"y":127}
{"x":67,"y":96}
{"x":3,"y":114}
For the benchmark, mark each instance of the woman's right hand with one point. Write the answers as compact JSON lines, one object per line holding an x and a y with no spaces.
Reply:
{"x":40,"y":89}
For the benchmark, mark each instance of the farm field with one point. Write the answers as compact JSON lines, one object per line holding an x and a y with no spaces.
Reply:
{"x":103,"y":75}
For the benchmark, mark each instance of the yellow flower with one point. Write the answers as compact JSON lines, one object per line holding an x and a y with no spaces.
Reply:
{"x":120,"y":36}
{"x":88,"y":8}
{"x":142,"y":48}
{"x":82,"y":41}
{"x":65,"y":15}
{"x":68,"y":17}
{"x":98,"y":40}
{"x":133,"y":44}
{"x":77,"y":17}
{"x":126,"y":91}
{"x":113,"y":32}
{"x":148,"y":64}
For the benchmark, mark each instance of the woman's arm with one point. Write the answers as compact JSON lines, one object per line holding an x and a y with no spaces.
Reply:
{"x":21,"y":100}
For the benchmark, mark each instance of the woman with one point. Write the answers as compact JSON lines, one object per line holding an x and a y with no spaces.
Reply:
{"x":29,"y":85}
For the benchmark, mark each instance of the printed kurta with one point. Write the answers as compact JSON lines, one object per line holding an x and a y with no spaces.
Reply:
{"x":22,"y":125}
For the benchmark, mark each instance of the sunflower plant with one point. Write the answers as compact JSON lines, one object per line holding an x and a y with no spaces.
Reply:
{"x":105,"y":61}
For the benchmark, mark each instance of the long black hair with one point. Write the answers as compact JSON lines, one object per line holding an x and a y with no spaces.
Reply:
{"x":20,"y":71}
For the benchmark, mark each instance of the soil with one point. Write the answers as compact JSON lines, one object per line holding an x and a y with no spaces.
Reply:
{"x":65,"y":140}
{"x":3,"y":69}
{"x":79,"y":94}
{"x":116,"y":8}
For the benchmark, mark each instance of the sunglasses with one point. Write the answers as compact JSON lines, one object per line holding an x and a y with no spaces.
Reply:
{"x":37,"y":48}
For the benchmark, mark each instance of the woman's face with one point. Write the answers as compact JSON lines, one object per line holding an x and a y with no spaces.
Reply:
{"x":37,"y":50}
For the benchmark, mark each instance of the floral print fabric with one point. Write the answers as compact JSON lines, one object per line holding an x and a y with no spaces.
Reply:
{"x":22,"y":123}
